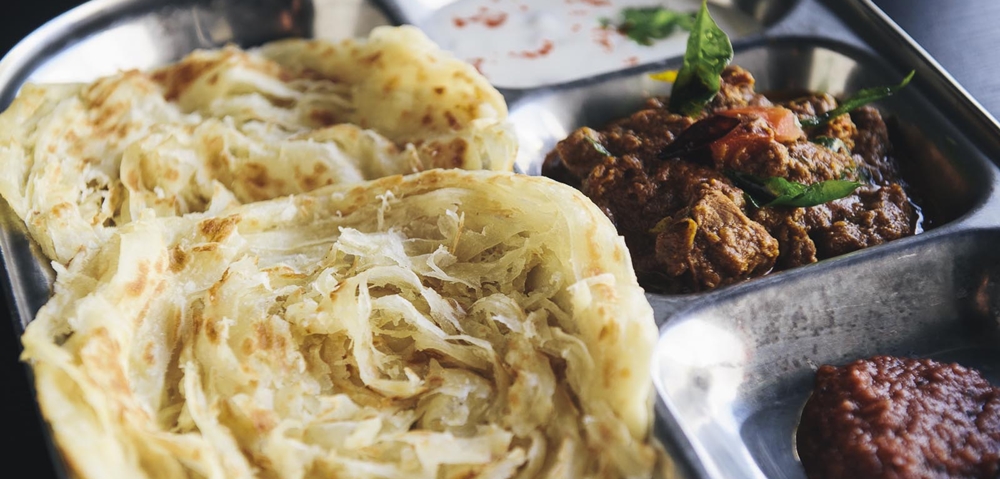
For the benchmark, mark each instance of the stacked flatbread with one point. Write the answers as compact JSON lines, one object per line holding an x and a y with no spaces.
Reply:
{"x":226,"y":127}
{"x":247,"y":287}
{"x":447,"y":324}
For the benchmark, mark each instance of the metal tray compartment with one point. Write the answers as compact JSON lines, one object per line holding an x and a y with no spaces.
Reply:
{"x":734,"y":374}
{"x":950,"y":174}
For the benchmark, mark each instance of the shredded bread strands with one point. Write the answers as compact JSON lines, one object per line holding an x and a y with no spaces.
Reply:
{"x":226,"y":127}
{"x":228,"y":305}
{"x":282,"y":340}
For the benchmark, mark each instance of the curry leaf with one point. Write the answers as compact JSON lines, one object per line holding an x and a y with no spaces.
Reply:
{"x":777,"y":191}
{"x":753,"y":188}
{"x":700,"y":136}
{"x":708,"y":53}
{"x":816,"y":193}
{"x":861,"y":98}
{"x":645,"y":24}
{"x":599,"y":147}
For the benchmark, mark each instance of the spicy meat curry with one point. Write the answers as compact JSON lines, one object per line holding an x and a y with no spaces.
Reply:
{"x":683,"y":189}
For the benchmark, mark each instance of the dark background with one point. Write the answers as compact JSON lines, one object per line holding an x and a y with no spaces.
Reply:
{"x":961,"y":34}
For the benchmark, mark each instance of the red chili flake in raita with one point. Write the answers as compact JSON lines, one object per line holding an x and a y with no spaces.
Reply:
{"x":531,"y":54}
{"x":486,"y":17}
{"x":496,"y":21}
{"x":632,"y":61}
{"x":593,"y":3}
{"x":602,"y":36}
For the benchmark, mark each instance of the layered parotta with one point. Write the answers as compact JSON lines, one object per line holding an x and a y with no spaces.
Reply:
{"x":447,"y":324}
{"x":226,"y":127}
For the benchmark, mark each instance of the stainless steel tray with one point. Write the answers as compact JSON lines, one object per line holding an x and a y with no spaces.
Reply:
{"x":734,"y":365}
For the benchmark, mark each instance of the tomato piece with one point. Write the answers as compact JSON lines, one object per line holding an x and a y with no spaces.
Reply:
{"x":782,"y":120}
{"x":739,"y":145}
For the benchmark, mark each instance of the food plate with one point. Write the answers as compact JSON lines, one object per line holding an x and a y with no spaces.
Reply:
{"x":734,"y":365}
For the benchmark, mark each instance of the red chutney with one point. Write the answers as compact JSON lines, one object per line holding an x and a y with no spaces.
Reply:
{"x":899,"y":418}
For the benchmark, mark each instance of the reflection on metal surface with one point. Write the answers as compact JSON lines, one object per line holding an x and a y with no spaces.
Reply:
{"x":134,"y":46}
{"x":701,"y":365}
{"x":27,"y":273}
{"x":707,"y":361}
{"x":415,"y":11}
{"x":338,"y":19}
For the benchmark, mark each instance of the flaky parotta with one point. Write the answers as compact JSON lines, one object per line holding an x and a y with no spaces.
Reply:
{"x":227,"y":126}
{"x":447,"y":324}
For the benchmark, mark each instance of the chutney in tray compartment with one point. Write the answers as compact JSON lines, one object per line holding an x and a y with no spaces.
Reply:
{"x":893,"y":417}
{"x":682,"y":189}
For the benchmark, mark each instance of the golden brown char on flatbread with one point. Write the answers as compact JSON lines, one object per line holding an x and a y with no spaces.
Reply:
{"x":448,"y":324}
{"x":226,"y":127}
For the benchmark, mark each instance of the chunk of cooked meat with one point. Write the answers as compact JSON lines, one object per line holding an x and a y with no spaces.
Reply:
{"x":577,"y":152}
{"x":872,"y":148}
{"x":841,"y":127}
{"x":790,"y":228}
{"x":646,"y":131}
{"x":714,"y":243}
{"x":872,"y":216}
{"x":811,"y":163}
{"x":737,"y":90}
{"x":636,"y":199}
